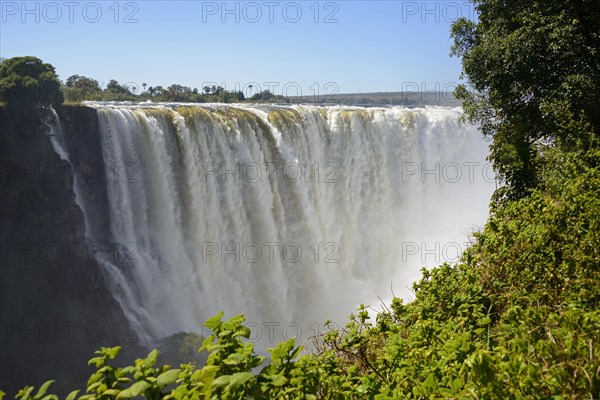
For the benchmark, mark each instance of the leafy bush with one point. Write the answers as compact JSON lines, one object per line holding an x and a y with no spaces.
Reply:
{"x":26,"y":82}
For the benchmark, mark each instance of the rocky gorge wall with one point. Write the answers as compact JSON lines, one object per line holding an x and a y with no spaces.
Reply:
{"x":55,"y":309}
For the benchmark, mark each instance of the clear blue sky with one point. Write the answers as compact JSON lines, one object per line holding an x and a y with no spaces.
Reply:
{"x":359,"y":46}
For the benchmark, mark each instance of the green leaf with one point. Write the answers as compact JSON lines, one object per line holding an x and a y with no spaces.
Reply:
{"x":222,"y":381}
{"x":234,"y":359}
{"x":281,"y":351}
{"x":25,"y":392}
{"x":134,"y":390}
{"x":278,"y":380}
{"x":97,"y":361}
{"x":429,"y":383}
{"x":167,"y":378}
{"x":112,"y":353}
{"x":456,"y":384}
{"x":239,"y":379}
{"x":72,"y":395}
{"x":43,"y":389}
{"x":151,"y":359}
{"x":94,"y":387}
{"x":208,"y":373}
{"x":243,"y":331}
{"x":214,"y":322}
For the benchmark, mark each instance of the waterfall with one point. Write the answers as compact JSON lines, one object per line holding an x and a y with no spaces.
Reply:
{"x":289,"y":214}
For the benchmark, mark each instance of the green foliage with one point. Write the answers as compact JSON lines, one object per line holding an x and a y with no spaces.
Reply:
{"x":27,"y":82}
{"x":116,"y":92}
{"x":553,"y":237}
{"x":78,"y":88}
{"x":533,"y":80}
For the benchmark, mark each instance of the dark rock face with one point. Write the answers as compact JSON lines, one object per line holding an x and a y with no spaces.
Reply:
{"x":55,"y":308}
{"x":82,"y":138}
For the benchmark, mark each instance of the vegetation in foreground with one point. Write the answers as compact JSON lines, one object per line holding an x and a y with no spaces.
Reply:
{"x":519,"y":316}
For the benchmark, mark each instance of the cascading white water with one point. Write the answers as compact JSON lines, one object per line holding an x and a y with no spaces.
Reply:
{"x":288,"y":214}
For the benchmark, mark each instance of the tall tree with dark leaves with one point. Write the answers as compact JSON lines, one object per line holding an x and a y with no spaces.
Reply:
{"x":533,"y":80}
{"x":27,"y":82}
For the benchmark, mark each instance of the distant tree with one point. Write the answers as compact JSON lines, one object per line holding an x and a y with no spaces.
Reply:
{"x":71,"y":80}
{"x":80,"y":88}
{"x":114,"y":86}
{"x":144,"y":86}
{"x":27,"y":82}
{"x":177,"y":92}
{"x":84,"y":83}
{"x":264,"y":95}
{"x":206,"y":89}
{"x":158,"y":90}
{"x":116,"y":91}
